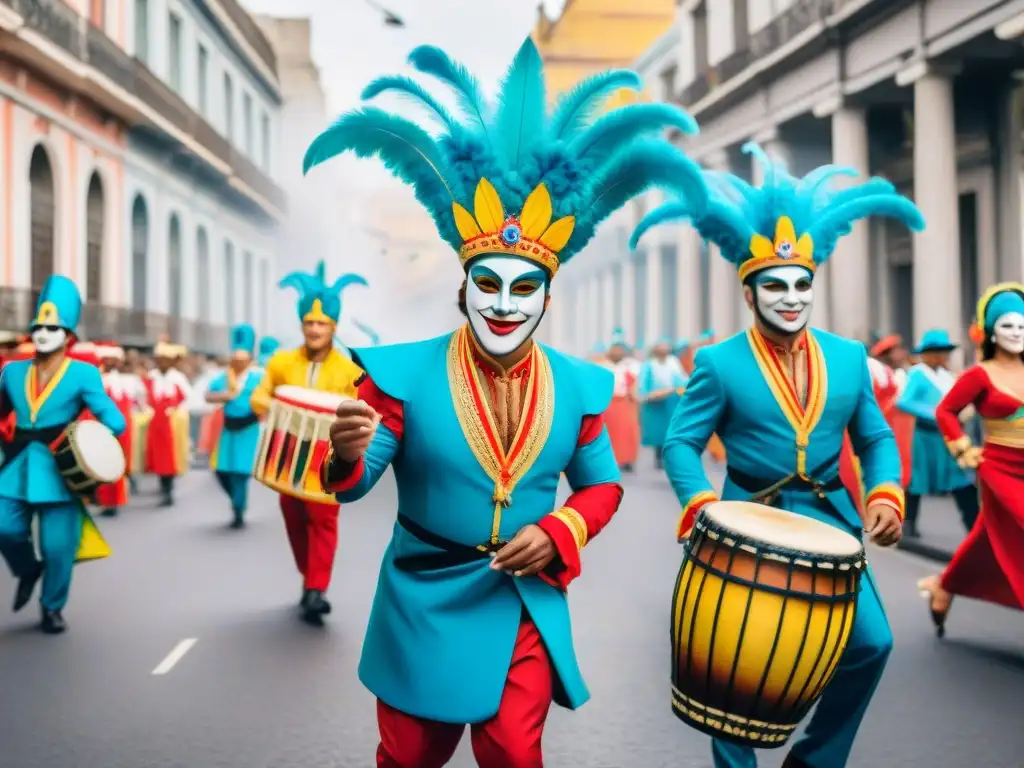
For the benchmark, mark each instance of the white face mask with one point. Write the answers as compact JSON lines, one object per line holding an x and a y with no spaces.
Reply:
{"x":505,"y":301}
{"x":783,"y":298}
{"x":1009,"y":333}
{"x":48,"y":338}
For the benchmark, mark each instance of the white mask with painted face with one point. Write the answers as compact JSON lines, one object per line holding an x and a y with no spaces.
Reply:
{"x":48,"y":338}
{"x":505,"y":299}
{"x":1009,"y":333}
{"x":783,"y":297}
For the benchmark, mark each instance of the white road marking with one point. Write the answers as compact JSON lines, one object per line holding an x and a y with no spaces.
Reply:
{"x":176,"y":655}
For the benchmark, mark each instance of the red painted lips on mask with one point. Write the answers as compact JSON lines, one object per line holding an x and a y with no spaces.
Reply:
{"x":502,"y":327}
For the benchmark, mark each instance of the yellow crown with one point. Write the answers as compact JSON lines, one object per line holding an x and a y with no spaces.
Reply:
{"x":530,"y":235}
{"x":785,"y":251}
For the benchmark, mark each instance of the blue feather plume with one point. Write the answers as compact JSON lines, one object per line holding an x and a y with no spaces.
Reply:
{"x":370,"y":333}
{"x":736,"y":210}
{"x":590,"y":167}
{"x":313,"y":287}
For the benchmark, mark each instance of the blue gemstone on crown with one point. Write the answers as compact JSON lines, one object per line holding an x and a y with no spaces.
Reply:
{"x":511,"y":234}
{"x":784,"y":250}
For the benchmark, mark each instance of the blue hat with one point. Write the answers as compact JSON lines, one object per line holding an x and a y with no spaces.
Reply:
{"x":243,"y":339}
{"x":935,"y":340}
{"x":317,"y":300}
{"x":708,"y":335}
{"x":511,"y":176}
{"x":681,"y":346}
{"x":1000,"y":300}
{"x":60,"y":304}
{"x":619,"y":339}
{"x":784,"y":221}
{"x":268,"y":346}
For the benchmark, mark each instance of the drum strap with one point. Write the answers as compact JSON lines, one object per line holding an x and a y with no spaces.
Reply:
{"x":453,"y":553}
{"x":766,"y":491}
{"x":238,"y":423}
{"x":23,"y":438}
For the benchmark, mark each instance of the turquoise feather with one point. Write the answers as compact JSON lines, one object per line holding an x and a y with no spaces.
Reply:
{"x":519,"y":122}
{"x":406,"y":86}
{"x":370,"y":333}
{"x":345,"y":281}
{"x":575,"y":108}
{"x":433,"y":61}
{"x":313,"y":287}
{"x":627,"y":124}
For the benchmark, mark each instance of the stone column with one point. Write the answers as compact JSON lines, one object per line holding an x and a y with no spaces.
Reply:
{"x":652,"y":292}
{"x":689,"y":289}
{"x":724,"y":289}
{"x":608,"y":288}
{"x":937,"y":248}
{"x":1008,"y":180}
{"x":628,"y":290}
{"x":849,"y":267}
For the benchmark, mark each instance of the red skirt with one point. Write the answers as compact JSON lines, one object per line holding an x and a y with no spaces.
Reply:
{"x":988,"y":565}
{"x":113,"y":495}
{"x":623,"y":421}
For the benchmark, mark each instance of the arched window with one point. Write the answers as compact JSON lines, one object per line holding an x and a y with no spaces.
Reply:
{"x":94,"y":215}
{"x":174,"y":267}
{"x":203,"y":275}
{"x":140,"y":252}
{"x":43,"y":220}
{"x":229,"y":282}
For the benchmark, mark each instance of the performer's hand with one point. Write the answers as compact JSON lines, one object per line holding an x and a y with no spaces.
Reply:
{"x":883,"y":524}
{"x":529,"y":553}
{"x":353,"y":430}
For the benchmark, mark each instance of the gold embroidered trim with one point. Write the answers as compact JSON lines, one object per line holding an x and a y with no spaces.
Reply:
{"x":574,"y":521}
{"x":803,"y":421}
{"x":492,"y":457}
{"x":36,"y":403}
{"x":1004,"y":432}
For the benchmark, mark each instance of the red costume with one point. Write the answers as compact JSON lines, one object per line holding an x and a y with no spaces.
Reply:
{"x":989,"y":564}
{"x":622,"y":416}
{"x":518,"y":726}
{"x":116,"y":494}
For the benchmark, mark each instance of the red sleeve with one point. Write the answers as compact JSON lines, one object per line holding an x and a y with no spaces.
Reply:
{"x":585,"y":513}
{"x":966,"y":391}
{"x":338,"y":476}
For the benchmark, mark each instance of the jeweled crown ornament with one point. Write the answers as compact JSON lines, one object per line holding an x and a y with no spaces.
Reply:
{"x":509,"y":176}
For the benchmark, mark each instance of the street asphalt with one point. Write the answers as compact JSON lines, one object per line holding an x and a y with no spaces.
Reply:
{"x":257,"y":689}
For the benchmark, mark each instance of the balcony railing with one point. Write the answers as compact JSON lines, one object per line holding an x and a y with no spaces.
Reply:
{"x":125,"y":326}
{"x":786,"y":26}
{"x":61,"y":25}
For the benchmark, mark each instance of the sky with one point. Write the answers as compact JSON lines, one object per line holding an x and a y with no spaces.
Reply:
{"x":352,"y":46}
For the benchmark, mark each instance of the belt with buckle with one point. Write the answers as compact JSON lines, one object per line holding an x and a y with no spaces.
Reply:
{"x":453,"y":552}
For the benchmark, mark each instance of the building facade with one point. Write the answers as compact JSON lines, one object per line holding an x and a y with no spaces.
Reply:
{"x":923,"y":92}
{"x":139,"y":142}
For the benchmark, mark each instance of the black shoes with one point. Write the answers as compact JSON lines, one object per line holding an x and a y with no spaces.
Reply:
{"x":109,"y":512}
{"x":53,"y":623}
{"x":314,"y":606}
{"x":26,"y":586}
{"x":239,"y":520}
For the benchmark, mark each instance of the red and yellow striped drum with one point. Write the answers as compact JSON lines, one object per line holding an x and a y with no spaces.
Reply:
{"x":762,"y":611}
{"x":295,"y":440}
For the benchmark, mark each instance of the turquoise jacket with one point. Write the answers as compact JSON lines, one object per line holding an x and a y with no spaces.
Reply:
{"x":440,"y":641}
{"x":236,"y":448}
{"x":729,"y":394}
{"x":75,"y":387}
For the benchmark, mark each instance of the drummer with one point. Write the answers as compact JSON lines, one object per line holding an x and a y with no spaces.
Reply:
{"x":42,"y":411}
{"x":781,"y":396}
{"x":235,"y":450}
{"x":312,"y":527}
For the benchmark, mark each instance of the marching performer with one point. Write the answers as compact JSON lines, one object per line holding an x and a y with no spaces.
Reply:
{"x":934,"y":472}
{"x":781,"y":396}
{"x":112,"y":497}
{"x":312,"y":526}
{"x":46,"y":394}
{"x":660,"y":383}
{"x":988,"y":564}
{"x":470,"y":623}
{"x":622,"y":418}
{"x":235,"y":450}
{"x":167,"y":395}
{"x":888,"y":376}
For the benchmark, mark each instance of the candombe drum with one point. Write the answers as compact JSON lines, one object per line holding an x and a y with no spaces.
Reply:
{"x":88,"y":456}
{"x":295,"y":441}
{"x":762,"y":611}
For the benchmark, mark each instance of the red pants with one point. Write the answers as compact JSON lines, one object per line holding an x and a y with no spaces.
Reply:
{"x":510,"y":739}
{"x":313,"y":533}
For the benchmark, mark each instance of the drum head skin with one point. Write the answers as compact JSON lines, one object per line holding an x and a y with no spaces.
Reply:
{"x":99,"y":451}
{"x":779,"y":528}
{"x":309,"y":399}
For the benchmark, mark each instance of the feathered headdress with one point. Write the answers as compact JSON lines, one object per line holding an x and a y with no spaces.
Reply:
{"x":786,"y":220}
{"x":371,"y":334}
{"x":317,"y":300}
{"x":510,"y":177}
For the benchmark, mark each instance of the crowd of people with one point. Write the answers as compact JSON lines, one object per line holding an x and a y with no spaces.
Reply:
{"x":824,"y":445}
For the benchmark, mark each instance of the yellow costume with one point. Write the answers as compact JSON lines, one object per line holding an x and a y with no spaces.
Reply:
{"x":292,"y":367}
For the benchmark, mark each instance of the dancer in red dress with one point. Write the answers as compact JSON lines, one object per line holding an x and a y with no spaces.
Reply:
{"x":622,"y":417}
{"x":114,"y":496}
{"x":989,"y":565}
{"x":167,"y":391}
